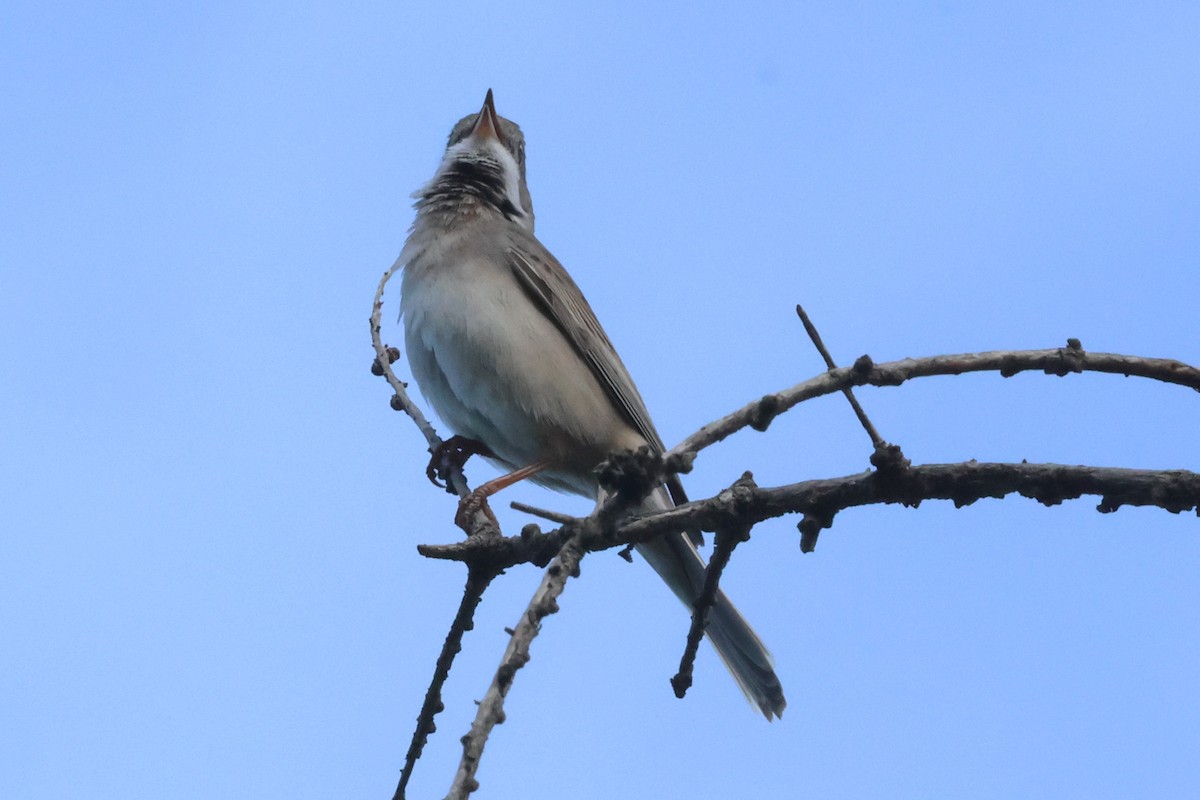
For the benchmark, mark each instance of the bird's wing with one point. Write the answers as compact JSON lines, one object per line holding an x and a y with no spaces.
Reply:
{"x":552,"y":291}
{"x":557,"y":296}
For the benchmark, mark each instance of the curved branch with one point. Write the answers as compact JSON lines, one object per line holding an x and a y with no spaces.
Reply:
{"x":385,"y":357}
{"x":1059,"y":361}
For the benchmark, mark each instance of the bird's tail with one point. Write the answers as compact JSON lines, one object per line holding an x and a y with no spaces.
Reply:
{"x":675,"y":559}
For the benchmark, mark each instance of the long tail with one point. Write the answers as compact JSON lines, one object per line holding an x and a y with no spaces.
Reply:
{"x":676,"y":561}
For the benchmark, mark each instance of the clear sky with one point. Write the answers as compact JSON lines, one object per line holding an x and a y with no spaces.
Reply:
{"x":209,"y":585}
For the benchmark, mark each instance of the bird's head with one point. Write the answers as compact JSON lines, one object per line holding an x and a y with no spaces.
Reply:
{"x":485,"y":158}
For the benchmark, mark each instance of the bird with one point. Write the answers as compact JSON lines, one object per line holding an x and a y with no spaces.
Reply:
{"x":507,"y":351}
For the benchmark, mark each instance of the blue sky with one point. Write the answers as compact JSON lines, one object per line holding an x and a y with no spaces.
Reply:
{"x":208,"y":513}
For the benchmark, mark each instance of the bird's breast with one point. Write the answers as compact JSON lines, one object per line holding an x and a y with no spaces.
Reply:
{"x":496,"y":369}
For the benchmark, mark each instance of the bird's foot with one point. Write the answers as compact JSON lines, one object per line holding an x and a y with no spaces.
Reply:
{"x":450,"y":455}
{"x":475,"y":501}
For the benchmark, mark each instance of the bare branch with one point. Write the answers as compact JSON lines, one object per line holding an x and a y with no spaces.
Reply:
{"x":384,"y":357}
{"x":383,"y":366}
{"x":478,"y":523}
{"x":726,"y":539}
{"x":552,"y":516}
{"x":820,"y":500}
{"x":733,"y":512}
{"x":478,"y":579}
{"x":516,"y":655}
{"x":1060,"y":361}
{"x":479,"y":576}
{"x":818,"y":343}
{"x":1050,"y":484}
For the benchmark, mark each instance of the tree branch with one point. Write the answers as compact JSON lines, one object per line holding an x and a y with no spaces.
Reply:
{"x":386,"y":356}
{"x":516,"y":655}
{"x":478,"y":579}
{"x":726,"y":539}
{"x":479,"y":576}
{"x":811,"y":329}
{"x":1060,"y":361}
{"x":733,"y":512}
{"x":820,"y":500}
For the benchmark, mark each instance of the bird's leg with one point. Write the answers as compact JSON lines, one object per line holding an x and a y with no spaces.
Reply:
{"x":451,"y":454}
{"x":477,"y":500}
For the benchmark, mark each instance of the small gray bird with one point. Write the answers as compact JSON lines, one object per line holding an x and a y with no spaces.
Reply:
{"x":509,"y":353}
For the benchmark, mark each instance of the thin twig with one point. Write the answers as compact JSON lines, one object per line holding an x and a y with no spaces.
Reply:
{"x":478,"y":579}
{"x":553,"y":516}
{"x":726,"y":539}
{"x":885,"y":456}
{"x":863,"y":419}
{"x":385,"y":364}
{"x":516,"y":655}
{"x":400,"y":399}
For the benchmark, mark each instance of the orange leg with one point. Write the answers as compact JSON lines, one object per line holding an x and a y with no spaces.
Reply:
{"x":477,"y":500}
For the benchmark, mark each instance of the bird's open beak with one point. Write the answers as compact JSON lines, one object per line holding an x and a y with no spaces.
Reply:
{"x":487,"y":124}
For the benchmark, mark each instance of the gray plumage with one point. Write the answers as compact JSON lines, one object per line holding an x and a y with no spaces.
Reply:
{"x":504,"y":346}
